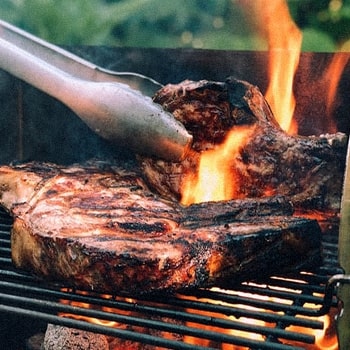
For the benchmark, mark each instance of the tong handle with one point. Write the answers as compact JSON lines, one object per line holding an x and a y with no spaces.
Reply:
{"x":33,"y":70}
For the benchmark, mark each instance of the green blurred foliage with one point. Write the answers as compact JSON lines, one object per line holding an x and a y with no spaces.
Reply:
{"x":70,"y":22}
{"x":213,"y":24}
{"x":325,"y":23}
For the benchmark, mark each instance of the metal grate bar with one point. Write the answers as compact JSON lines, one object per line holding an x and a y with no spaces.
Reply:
{"x":275,"y":305}
{"x":5,"y":261}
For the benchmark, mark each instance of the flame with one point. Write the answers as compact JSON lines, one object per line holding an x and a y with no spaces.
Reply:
{"x":332,"y":77}
{"x":284,"y":40}
{"x":326,"y":338}
{"x":216,"y":178}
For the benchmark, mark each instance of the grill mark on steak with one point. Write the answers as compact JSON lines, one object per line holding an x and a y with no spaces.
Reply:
{"x":156,"y":227}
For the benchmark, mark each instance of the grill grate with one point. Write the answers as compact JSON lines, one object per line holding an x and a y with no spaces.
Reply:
{"x":269,"y":315}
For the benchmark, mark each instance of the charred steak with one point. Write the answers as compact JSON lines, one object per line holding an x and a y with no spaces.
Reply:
{"x":98,"y":227}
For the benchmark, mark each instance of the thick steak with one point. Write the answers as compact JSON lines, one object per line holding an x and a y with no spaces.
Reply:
{"x":98,"y":227}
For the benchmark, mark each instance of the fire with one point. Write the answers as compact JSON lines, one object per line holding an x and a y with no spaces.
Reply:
{"x":233,"y":332}
{"x":326,"y":338}
{"x":332,"y":77}
{"x":284,"y":40}
{"x":216,"y":178}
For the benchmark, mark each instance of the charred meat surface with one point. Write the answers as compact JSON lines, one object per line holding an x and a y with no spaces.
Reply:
{"x":98,"y":227}
{"x":309,"y":170}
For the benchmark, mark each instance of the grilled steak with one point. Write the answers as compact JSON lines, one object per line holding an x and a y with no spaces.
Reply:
{"x":98,"y":227}
{"x":309,"y":170}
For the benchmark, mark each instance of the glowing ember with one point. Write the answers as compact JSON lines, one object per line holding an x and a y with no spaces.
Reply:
{"x":216,"y":178}
{"x":324,"y":338}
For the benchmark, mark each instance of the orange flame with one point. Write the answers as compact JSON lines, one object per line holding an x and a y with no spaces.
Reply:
{"x":88,"y":306}
{"x":326,"y":338}
{"x":273,"y":22}
{"x":216,"y":178}
{"x":332,"y":77}
{"x":284,"y":41}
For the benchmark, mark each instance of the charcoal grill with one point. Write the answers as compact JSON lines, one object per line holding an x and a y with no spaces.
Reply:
{"x":277,"y":303}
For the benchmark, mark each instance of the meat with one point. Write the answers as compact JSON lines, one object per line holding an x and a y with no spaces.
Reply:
{"x":98,"y":227}
{"x":309,"y":170}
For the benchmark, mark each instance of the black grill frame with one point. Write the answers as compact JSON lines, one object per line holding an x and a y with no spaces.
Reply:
{"x":158,"y":314}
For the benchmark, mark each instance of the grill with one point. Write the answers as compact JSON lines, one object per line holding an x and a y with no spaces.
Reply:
{"x":268,"y":309}
{"x":279,"y":312}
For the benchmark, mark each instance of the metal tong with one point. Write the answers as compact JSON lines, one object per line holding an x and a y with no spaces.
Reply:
{"x":110,"y":103}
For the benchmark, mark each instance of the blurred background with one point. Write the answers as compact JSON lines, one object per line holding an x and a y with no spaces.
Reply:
{"x":207,"y":24}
